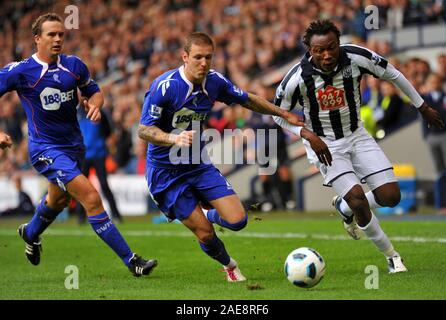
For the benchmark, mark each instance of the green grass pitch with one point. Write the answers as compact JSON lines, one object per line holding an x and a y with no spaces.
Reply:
{"x":185,"y":272}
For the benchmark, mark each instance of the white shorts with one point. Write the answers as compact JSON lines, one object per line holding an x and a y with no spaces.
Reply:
{"x":358,"y":154}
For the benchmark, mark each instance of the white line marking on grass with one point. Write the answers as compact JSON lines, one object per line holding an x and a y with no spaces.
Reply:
{"x":262,"y":235}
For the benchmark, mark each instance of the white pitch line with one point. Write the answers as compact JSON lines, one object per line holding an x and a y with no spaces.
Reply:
{"x":263,"y":235}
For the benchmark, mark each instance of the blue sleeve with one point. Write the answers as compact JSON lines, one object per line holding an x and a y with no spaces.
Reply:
{"x":9,"y":78}
{"x":230,"y":93}
{"x":86,"y":85}
{"x":160,"y":95}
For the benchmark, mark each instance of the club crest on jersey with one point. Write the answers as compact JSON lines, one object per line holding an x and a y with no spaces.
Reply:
{"x":155,"y":111}
{"x":56,"y":78}
{"x":331,"y":98}
{"x":347,"y":72}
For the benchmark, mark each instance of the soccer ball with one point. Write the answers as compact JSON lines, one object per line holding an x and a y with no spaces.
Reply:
{"x":304,"y":267}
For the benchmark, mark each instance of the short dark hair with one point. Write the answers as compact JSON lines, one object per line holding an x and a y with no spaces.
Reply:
{"x":198,"y":38}
{"x":37,"y":25}
{"x":320,"y":27}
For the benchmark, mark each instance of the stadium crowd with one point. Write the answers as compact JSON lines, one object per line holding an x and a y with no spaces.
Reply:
{"x":127,"y":44}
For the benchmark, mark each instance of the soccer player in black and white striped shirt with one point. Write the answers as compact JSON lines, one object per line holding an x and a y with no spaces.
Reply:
{"x":325,"y":85}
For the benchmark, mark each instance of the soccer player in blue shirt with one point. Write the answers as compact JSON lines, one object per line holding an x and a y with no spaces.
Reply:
{"x":174,"y":101}
{"x":47,"y":84}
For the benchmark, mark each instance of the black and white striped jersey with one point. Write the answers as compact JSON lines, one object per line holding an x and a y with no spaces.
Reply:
{"x":331,"y":101}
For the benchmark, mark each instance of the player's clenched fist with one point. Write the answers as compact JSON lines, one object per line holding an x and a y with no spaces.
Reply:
{"x":184,"y":139}
{"x":5,"y":140}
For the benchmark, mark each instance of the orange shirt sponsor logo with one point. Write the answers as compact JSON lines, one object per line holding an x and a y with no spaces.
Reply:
{"x":331,"y":98}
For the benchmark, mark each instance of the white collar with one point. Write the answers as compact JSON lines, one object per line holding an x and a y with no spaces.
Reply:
{"x":189,"y":83}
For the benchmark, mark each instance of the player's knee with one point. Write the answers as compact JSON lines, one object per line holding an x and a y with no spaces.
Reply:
{"x":240,"y":223}
{"x":390,"y":199}
{"x":92,"y":201}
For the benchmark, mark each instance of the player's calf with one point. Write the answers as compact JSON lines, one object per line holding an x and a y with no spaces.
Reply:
{"x":214,"y":247}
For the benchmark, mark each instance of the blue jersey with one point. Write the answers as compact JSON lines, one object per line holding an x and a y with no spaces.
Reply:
{"x":48,"y":93}
{"x":173,"y":102}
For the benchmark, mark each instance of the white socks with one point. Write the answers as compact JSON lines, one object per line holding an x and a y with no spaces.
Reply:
{"x":374,"y":232}
{"x":370,"y":198}
{"x":232,"y":263}
{"x":345,"y":208}
{"x":372,"y":201}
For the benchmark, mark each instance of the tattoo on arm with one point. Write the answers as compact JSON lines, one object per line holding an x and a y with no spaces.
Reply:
{"x":155,"y":135}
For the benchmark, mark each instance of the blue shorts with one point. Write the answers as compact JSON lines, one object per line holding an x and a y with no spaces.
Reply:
{"x":177,"y":192}
{"x":58,"y":166}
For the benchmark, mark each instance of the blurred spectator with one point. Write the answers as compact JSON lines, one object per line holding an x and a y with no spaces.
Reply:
{"x":392,"y":105}
{"x":416,"y":71}
{"x":277,"y":189}
{"x":395,"y":13}
{"x":354,"y":20}
{"x":137,"y":164}
{"x":441,"y":70}
{"x":25,"y":204}
{"x":434,"y":10}
{"x":122,"y":137}
{"x":95,"y":135}
{"x":226,"y":120}
{"x":436,"y":138}
{"x":371,"y":110}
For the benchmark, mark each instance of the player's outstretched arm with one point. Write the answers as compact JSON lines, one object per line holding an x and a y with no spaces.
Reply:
{"x":156,"y":136}
{"x":260,"y":105}
{"x":429,"y":114}
{"x":5,"y":140}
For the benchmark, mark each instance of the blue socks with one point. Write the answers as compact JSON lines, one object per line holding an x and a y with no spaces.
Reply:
{"x":43,"y":217}
{"x":216,"y":250}
{"x":107,"y":231}
{"x":213,"y":217}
